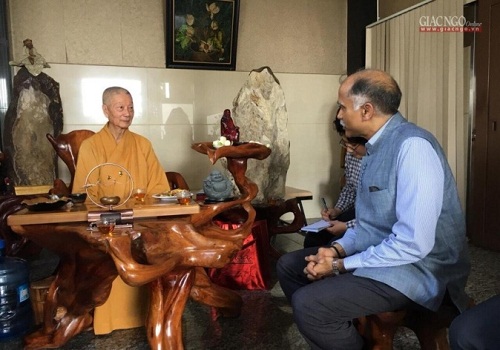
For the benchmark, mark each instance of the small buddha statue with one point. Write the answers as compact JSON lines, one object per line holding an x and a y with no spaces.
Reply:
{"x":217,"y":187}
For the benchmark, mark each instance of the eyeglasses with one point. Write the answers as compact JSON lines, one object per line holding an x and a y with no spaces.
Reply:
{"x":351,"y":146}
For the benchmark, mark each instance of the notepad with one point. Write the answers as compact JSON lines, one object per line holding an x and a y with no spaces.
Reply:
{"x":316,"y":227}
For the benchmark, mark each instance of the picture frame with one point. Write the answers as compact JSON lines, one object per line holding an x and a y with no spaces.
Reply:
{"x":202,"y":34}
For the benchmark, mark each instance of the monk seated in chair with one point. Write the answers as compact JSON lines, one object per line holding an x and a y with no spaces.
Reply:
{"x":116,"y":144}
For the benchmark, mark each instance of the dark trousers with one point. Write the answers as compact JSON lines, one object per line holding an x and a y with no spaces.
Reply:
{"x":477,"y":328}
{"x":324,"y":310}
{"x":323,"y":237}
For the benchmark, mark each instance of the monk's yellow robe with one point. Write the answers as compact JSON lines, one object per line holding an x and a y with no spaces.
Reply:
{"x":126,"y":306}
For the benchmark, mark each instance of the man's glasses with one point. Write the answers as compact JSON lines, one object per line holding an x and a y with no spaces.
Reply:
{"x":350,"y":146}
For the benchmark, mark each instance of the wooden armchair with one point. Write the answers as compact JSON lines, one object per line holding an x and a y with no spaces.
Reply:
{"x":429,"y":327}
{"x":67,"y":147}
{"x":176,"y":180}
{"x":15,"y":245}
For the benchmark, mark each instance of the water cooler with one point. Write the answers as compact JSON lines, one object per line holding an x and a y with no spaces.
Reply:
{"x":16,"y":315}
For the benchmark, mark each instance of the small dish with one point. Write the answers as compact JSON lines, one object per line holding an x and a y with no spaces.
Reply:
{"x":78,"y":198}
{"x":114,"y":200}
{"x":47,"y":206}
{"x":164,"y":197}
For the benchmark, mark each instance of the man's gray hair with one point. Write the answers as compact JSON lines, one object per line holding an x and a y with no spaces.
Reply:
{"x":377,"y":87}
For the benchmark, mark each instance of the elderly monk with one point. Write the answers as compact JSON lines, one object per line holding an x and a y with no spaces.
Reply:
{"x":115,"y":143}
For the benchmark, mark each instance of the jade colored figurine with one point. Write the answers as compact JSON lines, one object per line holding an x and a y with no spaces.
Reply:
{"x":217,"y":187}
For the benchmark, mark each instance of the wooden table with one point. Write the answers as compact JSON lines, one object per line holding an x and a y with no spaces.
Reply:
{"x":79,"y":213}
{"x":292,"y":192}
{"x":272,"y":213}
{"x":300,"y":195}
{"x":175,"y":245}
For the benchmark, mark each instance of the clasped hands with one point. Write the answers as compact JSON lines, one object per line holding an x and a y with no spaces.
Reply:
{"x":320,"y":265}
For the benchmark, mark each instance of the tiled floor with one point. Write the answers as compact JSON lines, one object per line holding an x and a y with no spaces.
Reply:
{"x":266,"y":321}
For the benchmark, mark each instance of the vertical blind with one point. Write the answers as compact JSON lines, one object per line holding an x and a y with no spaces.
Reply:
{"x":429,"y":69}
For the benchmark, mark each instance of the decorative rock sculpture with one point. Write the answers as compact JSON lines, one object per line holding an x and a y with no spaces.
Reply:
{"x":217,"y":187}
{"x":260,"y":111}
{"x":34,"y":111}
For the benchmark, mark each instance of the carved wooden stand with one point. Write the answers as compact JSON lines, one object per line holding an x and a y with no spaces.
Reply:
{"x":170,"y":254}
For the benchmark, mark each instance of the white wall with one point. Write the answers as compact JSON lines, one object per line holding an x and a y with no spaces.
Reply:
{"x":192,"y":113}
{"x":97,"y":40}
{"x":292,"y":36}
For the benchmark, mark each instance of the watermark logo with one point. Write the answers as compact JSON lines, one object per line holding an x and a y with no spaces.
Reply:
{"x":447,"y":24}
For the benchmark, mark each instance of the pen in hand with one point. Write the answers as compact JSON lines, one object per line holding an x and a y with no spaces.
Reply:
{"x":324,"y":204}
{"x":326,"y":207}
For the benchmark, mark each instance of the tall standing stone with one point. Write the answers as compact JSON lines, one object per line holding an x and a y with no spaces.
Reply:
{"x":259,"y":110}
{"x":34,"y":111}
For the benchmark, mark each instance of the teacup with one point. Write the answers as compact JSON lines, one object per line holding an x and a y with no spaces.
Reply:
{"x":106,"y":225}
{"x":78,"y":198}
{"x":140,"y":195}
{"x":184,"y":197}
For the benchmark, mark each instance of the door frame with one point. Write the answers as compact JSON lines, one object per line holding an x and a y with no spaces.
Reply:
{"x":477,"y":199}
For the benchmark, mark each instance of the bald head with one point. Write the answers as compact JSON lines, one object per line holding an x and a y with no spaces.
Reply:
{"x":375,"y":86}
{"x":109,"y":92}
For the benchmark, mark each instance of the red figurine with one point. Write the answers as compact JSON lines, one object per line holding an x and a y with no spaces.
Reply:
{"x":228,"y":129}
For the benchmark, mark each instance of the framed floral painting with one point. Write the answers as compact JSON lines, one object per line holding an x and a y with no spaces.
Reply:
{"x":202,"y":34}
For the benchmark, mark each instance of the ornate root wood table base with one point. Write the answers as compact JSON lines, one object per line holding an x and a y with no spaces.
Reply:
{"x":170,"y":254}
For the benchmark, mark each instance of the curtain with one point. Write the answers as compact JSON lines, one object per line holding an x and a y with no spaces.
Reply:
{"x":429,"y":68}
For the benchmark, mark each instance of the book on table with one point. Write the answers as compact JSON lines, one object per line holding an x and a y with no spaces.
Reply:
{"x":317,"y":226}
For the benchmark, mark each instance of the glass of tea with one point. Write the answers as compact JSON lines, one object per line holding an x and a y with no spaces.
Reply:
{"x":140,"y":195}
{"x":184,"y":197}
{"x":106,"y":226}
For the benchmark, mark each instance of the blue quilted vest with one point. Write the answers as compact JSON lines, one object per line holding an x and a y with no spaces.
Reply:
{"x":447,"y":266}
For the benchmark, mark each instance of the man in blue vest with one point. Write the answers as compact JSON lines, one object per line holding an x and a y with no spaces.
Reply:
{"x":408,"y":247}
